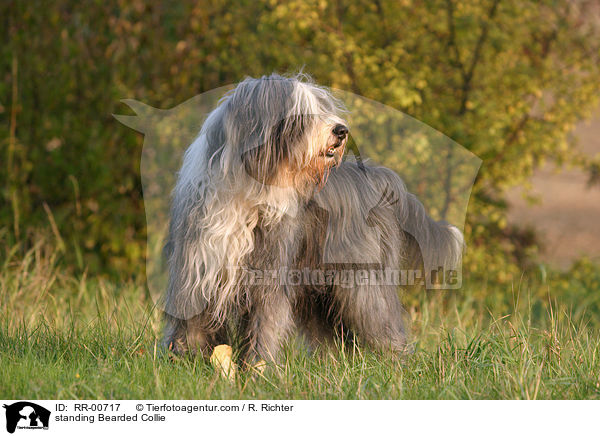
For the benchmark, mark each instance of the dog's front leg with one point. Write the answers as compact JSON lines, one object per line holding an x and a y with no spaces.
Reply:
{"x":268,"y":324}
{"x":192,"y":336}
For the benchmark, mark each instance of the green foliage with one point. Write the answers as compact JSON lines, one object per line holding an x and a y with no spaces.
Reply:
{"x":507,"y":80}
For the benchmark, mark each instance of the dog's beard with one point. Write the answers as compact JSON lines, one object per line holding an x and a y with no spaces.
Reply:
{"x":320,"y":171}
{"x":322,"y":165}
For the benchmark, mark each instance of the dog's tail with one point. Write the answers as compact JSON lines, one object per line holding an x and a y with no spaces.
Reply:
{"x":434,"y":246}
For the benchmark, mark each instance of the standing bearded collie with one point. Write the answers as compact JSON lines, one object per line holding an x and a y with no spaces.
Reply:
{"x":266,"y":218}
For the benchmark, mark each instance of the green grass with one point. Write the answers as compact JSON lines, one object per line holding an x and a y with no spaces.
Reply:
{"x":75,"y":337}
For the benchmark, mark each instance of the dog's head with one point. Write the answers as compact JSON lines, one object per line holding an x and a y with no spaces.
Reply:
{"x":282,"y":131}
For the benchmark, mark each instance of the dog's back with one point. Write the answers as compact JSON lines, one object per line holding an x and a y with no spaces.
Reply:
{"x":377,"y":221}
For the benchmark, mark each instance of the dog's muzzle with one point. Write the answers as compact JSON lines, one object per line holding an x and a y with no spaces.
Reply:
{"x":337,"y":150}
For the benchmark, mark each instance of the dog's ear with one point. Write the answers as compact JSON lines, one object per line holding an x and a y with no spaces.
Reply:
{"x":263,"y":161}
{"x":260,"y":163}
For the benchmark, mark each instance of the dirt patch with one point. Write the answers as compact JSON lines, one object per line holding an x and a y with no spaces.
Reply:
{"x":568,"y":217}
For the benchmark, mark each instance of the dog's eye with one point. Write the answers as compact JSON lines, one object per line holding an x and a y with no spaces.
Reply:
{"x":330,"y":152}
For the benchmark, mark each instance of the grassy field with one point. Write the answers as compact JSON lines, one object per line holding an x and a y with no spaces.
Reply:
{"x":65,"y":337}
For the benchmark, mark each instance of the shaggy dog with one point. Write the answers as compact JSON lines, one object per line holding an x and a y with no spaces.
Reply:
{"x":267,"y":218}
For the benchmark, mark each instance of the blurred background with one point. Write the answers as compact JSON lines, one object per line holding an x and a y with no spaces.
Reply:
{"x":513,"y":81}
{"x":564,"y":206}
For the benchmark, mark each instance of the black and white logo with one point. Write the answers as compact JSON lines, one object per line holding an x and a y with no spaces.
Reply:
{"x":26,"y":415}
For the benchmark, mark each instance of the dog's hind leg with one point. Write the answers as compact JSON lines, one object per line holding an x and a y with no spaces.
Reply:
{"x":374,"y":314}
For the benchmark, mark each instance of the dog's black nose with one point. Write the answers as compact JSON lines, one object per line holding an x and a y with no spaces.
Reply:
{"x":340,"y":131}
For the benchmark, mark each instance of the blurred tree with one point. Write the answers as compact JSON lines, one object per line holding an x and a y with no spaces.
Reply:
{"x":506,"y":79}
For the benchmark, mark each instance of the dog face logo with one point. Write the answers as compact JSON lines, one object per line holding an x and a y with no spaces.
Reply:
{"x":26,"y":415}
